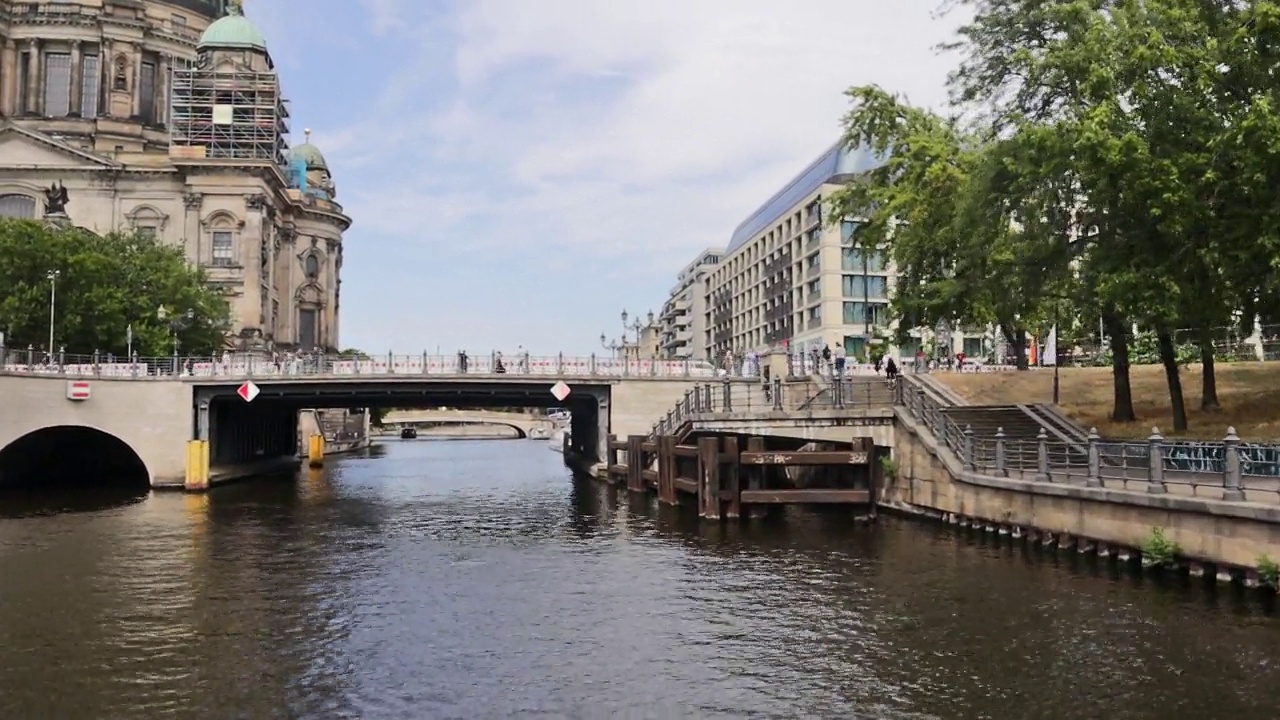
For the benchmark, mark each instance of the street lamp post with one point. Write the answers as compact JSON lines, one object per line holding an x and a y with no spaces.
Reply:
{"x":176,"y":323}
{"x":625,"y":345}
{"x":53,"y":276}
{"x":610,"y":345}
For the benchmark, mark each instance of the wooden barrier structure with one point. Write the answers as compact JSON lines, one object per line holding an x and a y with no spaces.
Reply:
{"x":726,"y":478}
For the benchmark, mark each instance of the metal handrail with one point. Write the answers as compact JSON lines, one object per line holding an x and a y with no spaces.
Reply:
{"x":260,"y":365}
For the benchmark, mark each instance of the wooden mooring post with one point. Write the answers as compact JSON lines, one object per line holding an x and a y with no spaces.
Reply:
{"x":635,"y":463}
{"x":725,"y":479}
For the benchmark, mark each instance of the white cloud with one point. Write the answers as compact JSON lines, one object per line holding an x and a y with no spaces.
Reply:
{"x":747,"y":89}
{"x":637,"y":132}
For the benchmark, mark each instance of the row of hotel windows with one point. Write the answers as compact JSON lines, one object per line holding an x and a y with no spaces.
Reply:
{"x":58,"y":87}
{"x":222,"y":245}
{"x":853,"y":259}
{"x":854,"y":313}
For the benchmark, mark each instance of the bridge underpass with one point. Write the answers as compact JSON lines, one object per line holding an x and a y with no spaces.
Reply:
{"x":68,"y":468}
{"x":522,"y":425}
{"x":242,"y":432}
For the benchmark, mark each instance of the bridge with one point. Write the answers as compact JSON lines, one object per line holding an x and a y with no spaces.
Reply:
{"x":180,"y":421}
{"x":525,"y":424}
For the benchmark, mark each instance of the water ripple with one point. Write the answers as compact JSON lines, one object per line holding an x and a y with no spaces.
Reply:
{"x":479,"y":580}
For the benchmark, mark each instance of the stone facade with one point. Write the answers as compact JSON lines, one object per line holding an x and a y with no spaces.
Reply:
{"x":90,"y":96}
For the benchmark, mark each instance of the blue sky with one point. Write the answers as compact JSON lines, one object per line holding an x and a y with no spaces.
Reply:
{"x":521,"y":171}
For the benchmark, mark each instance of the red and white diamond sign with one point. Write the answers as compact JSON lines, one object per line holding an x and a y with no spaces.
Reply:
{"x":248,"y":391}
{"x":560,"y":391}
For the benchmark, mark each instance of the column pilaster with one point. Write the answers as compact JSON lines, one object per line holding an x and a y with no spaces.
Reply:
{"x":34,"y":104}
{"x":77,"y":79}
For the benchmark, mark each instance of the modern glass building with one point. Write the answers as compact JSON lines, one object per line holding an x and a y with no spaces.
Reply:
{"x":789,"y":276}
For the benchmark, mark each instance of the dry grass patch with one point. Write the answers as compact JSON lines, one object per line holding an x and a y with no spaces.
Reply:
{"x":1249,"y":393}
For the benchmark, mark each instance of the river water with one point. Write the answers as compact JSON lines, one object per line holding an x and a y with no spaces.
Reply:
{"x":479,"y":579}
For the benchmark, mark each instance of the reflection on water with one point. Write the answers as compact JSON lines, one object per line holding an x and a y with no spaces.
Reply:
{"x":27,"y":502}
{"x":477,"y":580}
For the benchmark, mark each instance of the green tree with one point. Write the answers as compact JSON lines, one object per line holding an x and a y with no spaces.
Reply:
{"x":105,"y":284}
{"x":1153,"y":107}
{"x":951,"y":207}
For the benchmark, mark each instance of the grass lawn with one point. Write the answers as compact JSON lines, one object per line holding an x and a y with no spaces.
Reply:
{"x":1248,"y":391}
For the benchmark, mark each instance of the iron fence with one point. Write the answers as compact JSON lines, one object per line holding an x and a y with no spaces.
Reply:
{"x":244,"y":365}
{"x":708,"y":400}
{"x":1227,"y":470}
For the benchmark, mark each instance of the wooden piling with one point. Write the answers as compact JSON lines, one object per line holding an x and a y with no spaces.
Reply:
{"x":667,"y":469}
{"x":755,"y":477}
{"x":635,"y":463}
{"x":730,"y":482}
{"x":709,"y":477}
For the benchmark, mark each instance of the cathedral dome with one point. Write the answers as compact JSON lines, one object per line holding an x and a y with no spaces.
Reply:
{"x":232,"y":31}
{"x":310,"y":154}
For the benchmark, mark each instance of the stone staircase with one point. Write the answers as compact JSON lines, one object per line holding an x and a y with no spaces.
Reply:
{"x":1020,"y":425}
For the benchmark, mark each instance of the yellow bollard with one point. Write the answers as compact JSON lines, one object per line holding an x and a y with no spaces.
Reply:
{"x":197,"y":475}
{"x":315,"y":450}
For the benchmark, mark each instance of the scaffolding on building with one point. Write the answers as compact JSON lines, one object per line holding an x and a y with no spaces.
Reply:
{"x":227,"y":114}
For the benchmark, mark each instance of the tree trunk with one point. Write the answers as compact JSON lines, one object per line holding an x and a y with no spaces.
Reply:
{"x":1209,"y":380}
{"x":1169,"y":358}
{"x":1122,"y":407}
{"x":1017,"y":337}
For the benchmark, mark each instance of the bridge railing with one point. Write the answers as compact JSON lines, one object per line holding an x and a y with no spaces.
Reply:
{"x":246,"y":365}
{"x":1226,"y":470}
{"x":725,"y":398}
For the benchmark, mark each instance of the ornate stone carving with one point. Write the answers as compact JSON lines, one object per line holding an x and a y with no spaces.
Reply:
{"x":192,"y":199}
{"x":257,"y":201}
{"x":310,"y":294}
{"x":147,"y":216}
{"x":120,"y":73}
{"x":221,"y":218}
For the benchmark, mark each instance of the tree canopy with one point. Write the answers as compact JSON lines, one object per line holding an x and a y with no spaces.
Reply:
{"x":1109,"y":159}
{"x":104,"y":285}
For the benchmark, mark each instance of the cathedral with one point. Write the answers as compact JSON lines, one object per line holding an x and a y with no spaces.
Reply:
{"x":166,"y":117}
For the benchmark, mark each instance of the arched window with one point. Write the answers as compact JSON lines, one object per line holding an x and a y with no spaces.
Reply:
{"x":223,"y":230}
{"x":311,"y":266}
{"x":147,"y":221}
{"x":17,"y":206}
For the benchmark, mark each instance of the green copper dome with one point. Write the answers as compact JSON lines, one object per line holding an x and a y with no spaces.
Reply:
{"x":232,"y":30}
{"x":310,"y":154}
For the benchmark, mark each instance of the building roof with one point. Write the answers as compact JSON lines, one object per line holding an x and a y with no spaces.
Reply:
{"x":232,"y":30}
{"x":211,"y":9}
{"x":837,"y":165}
{"x":311,"y":155}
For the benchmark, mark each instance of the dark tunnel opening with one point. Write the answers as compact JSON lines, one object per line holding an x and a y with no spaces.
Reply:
{"x":268,"y":426}
{"x":80,"y":466}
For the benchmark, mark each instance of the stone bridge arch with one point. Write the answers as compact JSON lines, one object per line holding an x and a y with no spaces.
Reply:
{"x":55,"y":456}
{"x":524,"y":425}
